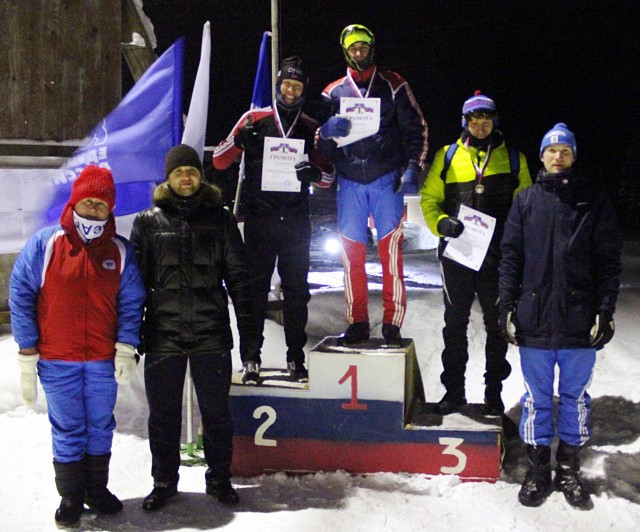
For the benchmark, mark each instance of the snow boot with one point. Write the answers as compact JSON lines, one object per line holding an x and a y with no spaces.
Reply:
{"x":70,"y":485}
{"x":159,"y":496}
{"x":452,"y":401}
{"x":391,"y":335}
{"x":567,"y":479}
{"x":493,"y":405}
{"x":221,"y":489}
{"x":356,"y":333}
{"x":537,"y":483}
{"x":98,"y":497}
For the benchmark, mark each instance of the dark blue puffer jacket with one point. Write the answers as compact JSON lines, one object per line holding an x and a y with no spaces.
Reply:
{"x":560,"y":261}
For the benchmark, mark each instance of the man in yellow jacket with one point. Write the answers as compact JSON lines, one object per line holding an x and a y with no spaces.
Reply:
{"x":481,"y":172}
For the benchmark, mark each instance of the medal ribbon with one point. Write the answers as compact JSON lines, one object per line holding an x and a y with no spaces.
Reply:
{"x":480,"y":170}
{"x":355,"y":88}
{"x":279,"y":122}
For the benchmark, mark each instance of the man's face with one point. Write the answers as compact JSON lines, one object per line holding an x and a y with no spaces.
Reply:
{"x":480,"y":126}
{"x":359,"y":51}
{"x":185,"y":180}
{"x":291,"y":90}
{"x":92,"y":209}
{"x":557,"y":157}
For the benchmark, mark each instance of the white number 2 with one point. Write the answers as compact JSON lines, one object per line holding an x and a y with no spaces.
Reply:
{"x":271,"y":419}
{"x":452,"y":449}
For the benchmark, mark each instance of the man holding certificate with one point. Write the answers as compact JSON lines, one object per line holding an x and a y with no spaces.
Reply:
{"x":377,"y":139}
{"x":465,"y":201}
{"x":277,"y":142}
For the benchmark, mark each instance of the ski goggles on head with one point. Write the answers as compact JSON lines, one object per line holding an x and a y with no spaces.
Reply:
{"x":480,"y":115}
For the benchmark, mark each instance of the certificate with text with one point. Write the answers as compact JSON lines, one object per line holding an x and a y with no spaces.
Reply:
{"x":470,"y":248}
{"x":279,"y":158}
{"x":364,"y":115}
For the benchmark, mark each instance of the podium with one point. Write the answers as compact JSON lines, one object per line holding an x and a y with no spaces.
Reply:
{"x":362,"y":411}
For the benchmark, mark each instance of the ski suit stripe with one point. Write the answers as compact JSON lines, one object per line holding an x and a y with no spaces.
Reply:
{"x":393,"y":289}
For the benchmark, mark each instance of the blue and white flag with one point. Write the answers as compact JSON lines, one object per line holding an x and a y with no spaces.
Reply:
{"x":133,"y":139}
{"x":195,"y":128}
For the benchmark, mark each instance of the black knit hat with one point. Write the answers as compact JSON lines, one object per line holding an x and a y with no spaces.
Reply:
{"x":293,"y":68}
{"x":181,"y":155}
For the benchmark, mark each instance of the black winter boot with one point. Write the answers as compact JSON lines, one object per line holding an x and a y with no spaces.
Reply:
{"x":493,"y":405}
{"x":159,"y":497}
{"x":567,"y":479}
{"x":391,"y":335}
{"x":452,"y":401}
{"x":356,"y":333}
{"x":70,"y":484}
{"x":221,"y":489}
{"x":98,"y":497}
{"x":537,"y":483}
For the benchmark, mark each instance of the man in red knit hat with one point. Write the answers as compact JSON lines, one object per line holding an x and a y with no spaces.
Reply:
{"x":76,"y":299}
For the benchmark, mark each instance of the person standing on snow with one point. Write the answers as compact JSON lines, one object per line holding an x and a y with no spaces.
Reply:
{"x":192,"y":259}
{"x":480,"y":171}
{"x":76,"y":301}
{"x":277,"y":225}
{"x":373,"y":175}
{"x":559,"y":282}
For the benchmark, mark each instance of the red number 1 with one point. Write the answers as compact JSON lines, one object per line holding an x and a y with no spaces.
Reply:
{"x":352,"y":373}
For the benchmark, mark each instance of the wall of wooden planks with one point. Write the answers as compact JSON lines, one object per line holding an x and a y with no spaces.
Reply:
{"x":60,"y":67}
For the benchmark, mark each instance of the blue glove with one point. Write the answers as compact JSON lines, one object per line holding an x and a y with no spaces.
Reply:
{"x":408,"y":182}
{"x":336,"y":126}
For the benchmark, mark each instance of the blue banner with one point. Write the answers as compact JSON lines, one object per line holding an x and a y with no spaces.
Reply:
{"x":133,"y":139}
{"x":262,"y":84}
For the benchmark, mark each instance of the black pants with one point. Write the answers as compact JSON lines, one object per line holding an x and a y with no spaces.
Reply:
{"x":461,"y":285}
{"x":287,"y":239}
{"x":164,"y":377}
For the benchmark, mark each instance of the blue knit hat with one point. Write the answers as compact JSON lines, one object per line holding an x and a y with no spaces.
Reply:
{"x":559,"y":134}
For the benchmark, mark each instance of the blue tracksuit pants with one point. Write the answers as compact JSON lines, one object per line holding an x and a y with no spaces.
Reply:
{"x":81,"y":397}
{"x":574,"y":409}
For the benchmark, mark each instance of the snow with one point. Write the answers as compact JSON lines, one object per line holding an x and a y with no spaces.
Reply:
{"x":340,"y":501}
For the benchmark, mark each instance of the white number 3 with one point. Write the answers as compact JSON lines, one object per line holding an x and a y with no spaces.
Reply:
{"x":452,"y":449}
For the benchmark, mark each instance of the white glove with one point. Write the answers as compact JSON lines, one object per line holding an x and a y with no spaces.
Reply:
{"x":28,"y":378}
{"x":125,"y":362}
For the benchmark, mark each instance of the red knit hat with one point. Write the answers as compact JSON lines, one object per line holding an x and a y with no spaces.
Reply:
{"x":94,"y":182}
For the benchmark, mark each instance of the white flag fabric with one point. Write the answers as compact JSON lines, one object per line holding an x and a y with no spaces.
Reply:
{"x":195,"y":127}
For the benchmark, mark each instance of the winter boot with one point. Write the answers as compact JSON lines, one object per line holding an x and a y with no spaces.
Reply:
{"x":537,"y":483}
{"x":98,"y":497}
{"x":567,"y":479}
{"x":391,"y":335}
{"x":493,"y":405}
{"x":297,"y":371}
{"x":221,"y":489}
{"x":251,"y":373}
{"x":356,"y":333}
{"x":452,"y":401}
{"x":159,"y":496}
{"x":70,"y":484}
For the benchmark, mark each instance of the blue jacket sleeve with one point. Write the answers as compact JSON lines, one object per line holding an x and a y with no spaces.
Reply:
{"x":131,"y":299}
{"x":24,"y":287}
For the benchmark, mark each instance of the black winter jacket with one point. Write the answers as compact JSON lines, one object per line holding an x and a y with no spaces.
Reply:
{"x":560,"y":261}
{"x":189,"y":250}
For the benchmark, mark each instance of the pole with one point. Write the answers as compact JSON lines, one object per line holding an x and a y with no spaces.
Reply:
{"x":275,"y":39}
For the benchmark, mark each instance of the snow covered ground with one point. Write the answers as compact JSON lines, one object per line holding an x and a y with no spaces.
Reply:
{"x":339,"y":501}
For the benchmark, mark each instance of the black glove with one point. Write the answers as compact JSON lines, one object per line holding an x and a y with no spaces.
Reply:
{"x":246,"y":134}
{"x":308,"y":172}
{"x":508,"y":325}
{"x":602,"y":330}
{"x":450,"y":226}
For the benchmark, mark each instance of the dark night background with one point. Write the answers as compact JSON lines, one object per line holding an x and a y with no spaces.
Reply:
{"x":542,"y":63}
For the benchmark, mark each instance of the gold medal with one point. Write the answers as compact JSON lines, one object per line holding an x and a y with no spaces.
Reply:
{"x":479,"y":188}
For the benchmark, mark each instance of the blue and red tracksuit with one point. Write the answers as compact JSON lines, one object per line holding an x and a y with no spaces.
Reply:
{"x":73,"y":301}
{"x":368,"y":172}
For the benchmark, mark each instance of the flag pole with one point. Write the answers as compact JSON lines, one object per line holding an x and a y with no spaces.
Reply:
{"x":275,"y":39}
